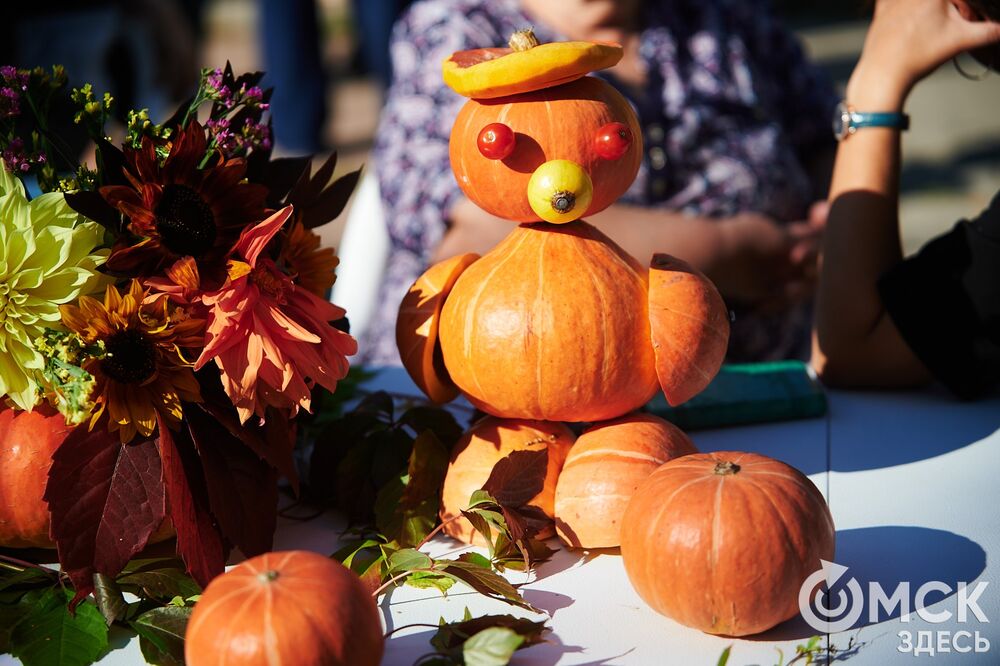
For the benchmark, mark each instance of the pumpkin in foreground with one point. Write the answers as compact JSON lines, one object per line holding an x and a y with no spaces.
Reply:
{"x":293,"y":607}
{"x":603,"y":469}
{"x":723,"y":541}
{"x":481,"y":448}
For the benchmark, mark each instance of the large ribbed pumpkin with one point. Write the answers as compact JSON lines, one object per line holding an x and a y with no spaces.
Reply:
{"x":723,"y":541}
{"x":289,"y":608}
{"x":481,"y":448}
{"x":27,"y":442}
{"x":603,"y":469}
{"x":561,"y":123}
{"x":551,"y":324}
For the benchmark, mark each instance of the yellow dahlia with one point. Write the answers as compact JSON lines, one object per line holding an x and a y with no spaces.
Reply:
{"x":47,"y":258}
{"x":142,"y":371}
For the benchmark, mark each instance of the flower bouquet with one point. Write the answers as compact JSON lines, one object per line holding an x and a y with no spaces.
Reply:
{"x":169,"y":303}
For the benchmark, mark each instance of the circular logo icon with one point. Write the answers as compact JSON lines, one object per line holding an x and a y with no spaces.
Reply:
{"x":819,"y":613}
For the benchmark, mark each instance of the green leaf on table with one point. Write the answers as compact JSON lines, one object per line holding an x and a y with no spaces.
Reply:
{"x":160,"y":579}
{"x":161,"y":634}
{"x":485,"y":581}
{"x":491,"y":647}
{"x":407,"y":559}
{"x":110,"y":600}
{"x":724,"y":657}
{"x":428,"y":580}
{"x":50,"y":636}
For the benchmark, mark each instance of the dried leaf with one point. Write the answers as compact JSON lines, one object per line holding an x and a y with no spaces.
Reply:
{"x":106,"y":499}
{"x":484,"y":581}
{"x":518,"y":478}
{"x":454,"y":634}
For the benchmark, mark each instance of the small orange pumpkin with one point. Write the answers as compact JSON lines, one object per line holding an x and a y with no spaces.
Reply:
{"x":562,"y":123}
{"x":603,"y":469}
{"x":481,"y":448}
{"x":551,"y":324}
{"x":27,"y":442}
{"x":723,"y":541}
{"x":291,"y":607}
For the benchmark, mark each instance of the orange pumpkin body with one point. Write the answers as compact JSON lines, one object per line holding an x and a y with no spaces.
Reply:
{"x":481,"y":448}
{"x":722,"y":542}
{"x":689,"y":323}
{"x":553,"y":123}
{"x":551,"y":324}
{"x":291,"y":607}
{"x":603,"y":469}
{"x":27,"y":442}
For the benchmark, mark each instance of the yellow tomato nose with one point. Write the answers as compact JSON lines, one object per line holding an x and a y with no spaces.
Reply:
{"x":560,"y":191}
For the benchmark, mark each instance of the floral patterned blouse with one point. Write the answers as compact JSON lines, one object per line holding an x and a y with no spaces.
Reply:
{"x":730,"y":113}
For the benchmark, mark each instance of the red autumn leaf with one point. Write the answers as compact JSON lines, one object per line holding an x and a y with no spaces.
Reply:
{"x":106,"y":499}
{"x":242,"y":488}
{"x":516,"y":479}
{"x":199,"y":542}
{"x":273,"y":442}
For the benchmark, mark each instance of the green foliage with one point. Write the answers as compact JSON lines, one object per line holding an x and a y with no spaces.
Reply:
{"x":37,"y":626}
{"x":49,"y":635}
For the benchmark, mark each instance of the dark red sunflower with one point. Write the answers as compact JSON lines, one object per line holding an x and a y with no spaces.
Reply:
{"x":175,"y":209}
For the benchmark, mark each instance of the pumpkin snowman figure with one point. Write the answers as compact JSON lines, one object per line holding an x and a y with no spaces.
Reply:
{"x":557,"y":323}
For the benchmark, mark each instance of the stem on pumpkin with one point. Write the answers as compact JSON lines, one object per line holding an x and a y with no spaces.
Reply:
{"x":726,"y":468}
{"x":523,"y":40}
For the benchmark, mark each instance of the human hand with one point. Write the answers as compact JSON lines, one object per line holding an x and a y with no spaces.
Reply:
{"x":768,"y":265}
{"x":471,"y":230}
{"x":906,"y":41}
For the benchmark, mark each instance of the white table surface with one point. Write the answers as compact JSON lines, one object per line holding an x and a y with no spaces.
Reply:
{"x":912,"y":481}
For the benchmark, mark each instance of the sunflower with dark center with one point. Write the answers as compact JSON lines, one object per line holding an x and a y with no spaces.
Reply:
{"x":174,"y":209}
{"x":142,"y":371}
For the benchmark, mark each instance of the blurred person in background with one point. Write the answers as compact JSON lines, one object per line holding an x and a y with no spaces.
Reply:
{"x":373,"y":21}
{"x":737,"y":150}
{"x":290,"y":38}
{"x":882,"y":320}
{"x":143,"y":52}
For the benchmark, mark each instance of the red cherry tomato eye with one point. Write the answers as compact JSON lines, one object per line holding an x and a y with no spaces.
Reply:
{"x":613,"y":140}
{"x":496,"y":141}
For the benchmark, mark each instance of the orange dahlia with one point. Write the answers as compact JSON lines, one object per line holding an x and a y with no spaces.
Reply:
{"x":271,"y":339}
{"x":311,"y":266}
{"x":141,"y":370}
{"x":174,"y":209}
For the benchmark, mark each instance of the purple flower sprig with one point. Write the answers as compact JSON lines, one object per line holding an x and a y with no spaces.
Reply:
{"x":12,"y":85}
{"x":19,"y":160}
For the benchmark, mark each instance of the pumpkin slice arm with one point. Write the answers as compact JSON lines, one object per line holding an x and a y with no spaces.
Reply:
{"x":689,"y":326}
{"x":417,"y":327}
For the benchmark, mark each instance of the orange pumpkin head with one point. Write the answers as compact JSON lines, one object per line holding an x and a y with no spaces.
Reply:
{"x":722,"y":542}
{"x":291,"y":607}
{"x":483,"y":446}
{"x":580,"y":141}
{"x":602,"y":471}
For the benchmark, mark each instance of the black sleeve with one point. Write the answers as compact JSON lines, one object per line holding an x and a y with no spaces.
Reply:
{"x":945,"y":301}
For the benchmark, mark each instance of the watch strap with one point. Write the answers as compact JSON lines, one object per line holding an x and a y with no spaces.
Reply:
{"x":900,"y":121}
